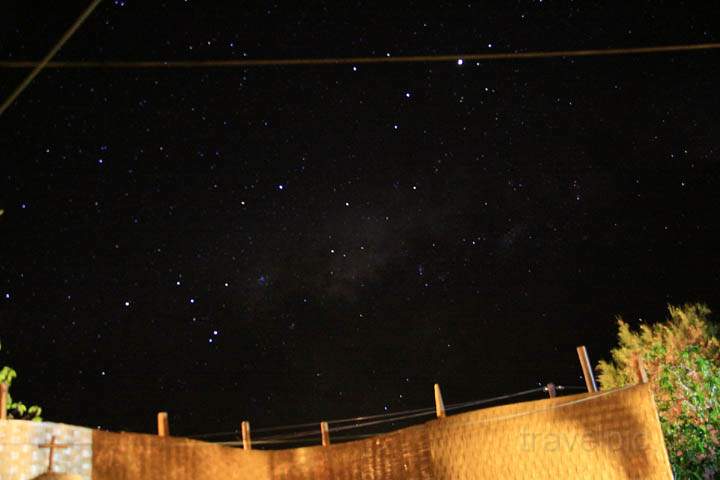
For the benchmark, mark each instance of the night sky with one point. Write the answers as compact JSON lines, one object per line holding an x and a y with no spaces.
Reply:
{"x":291,"y":244}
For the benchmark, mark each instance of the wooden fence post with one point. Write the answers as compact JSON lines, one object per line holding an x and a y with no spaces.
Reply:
{"x":3,"y":401}
{"x":439,"y":404}
{"x":587,"y":369}
{"x":551,"y":390}
{"x":245,"y":429}
{"x":640,"y":369}
{"x":325,"y":433}
{"x":163,"y":424}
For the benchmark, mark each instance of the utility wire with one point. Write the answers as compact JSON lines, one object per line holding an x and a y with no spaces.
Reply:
{"x":585,"y":399}
{"x":360,"y":422}
{"x":315,"y":424}
{"x":46,"y":60}
{"x":336,"y":438}
{"x":474,"y":403}
{"x":389,"y":416}
{"x":170,"y":64}
{"x":291,"y":440}
{"x":419,"y":413}
{"x":395,"y":417}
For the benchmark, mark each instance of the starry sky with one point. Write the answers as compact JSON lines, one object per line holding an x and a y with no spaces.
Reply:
{"x":291,"y":244}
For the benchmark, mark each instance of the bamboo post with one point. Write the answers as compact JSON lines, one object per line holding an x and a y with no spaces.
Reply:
{"x":439,"y":404}
{"x":325,"y":433}
{"x":3,"y":401}
{"x":551,"y":390}
{"x":587,"y":369}
{"x":245,"y":429}
{"x":640,"y":369}
{"x":163,"y":424}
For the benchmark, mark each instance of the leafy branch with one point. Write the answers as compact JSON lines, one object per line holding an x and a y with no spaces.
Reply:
{"x":16,"y":409}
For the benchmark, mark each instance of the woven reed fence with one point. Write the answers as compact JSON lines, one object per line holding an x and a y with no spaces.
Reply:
{"x":608,"y":435}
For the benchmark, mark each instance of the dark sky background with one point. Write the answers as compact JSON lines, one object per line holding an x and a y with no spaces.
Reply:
{"x":291,"y":244}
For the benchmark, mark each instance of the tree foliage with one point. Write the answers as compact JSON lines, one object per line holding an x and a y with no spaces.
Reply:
{"x":682,"y":359}
{"x":15,"y":409}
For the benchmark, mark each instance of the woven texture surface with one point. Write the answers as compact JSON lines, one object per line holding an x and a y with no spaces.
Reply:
{"x":609,"y":436}
{"x":22,"y":458}
{"x":613,"y":436}
{"x":128,"y":456}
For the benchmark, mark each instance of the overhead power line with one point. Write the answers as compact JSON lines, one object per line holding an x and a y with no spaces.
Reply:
{"x":46,"y":60}
{"x":171,"y":64}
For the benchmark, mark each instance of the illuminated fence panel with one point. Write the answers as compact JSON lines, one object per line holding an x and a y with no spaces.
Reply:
{"x":128,"y":456}
{"x":612,"y":435}
{"x":609,"y":435}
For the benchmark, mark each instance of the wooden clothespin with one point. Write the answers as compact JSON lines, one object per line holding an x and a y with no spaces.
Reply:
{"x":551,"y":390}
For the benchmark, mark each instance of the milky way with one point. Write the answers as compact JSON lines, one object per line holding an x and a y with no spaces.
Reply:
{"x":286,"y":244}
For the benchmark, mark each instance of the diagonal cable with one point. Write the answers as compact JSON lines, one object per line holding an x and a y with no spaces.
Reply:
{"x":38,"y":68}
